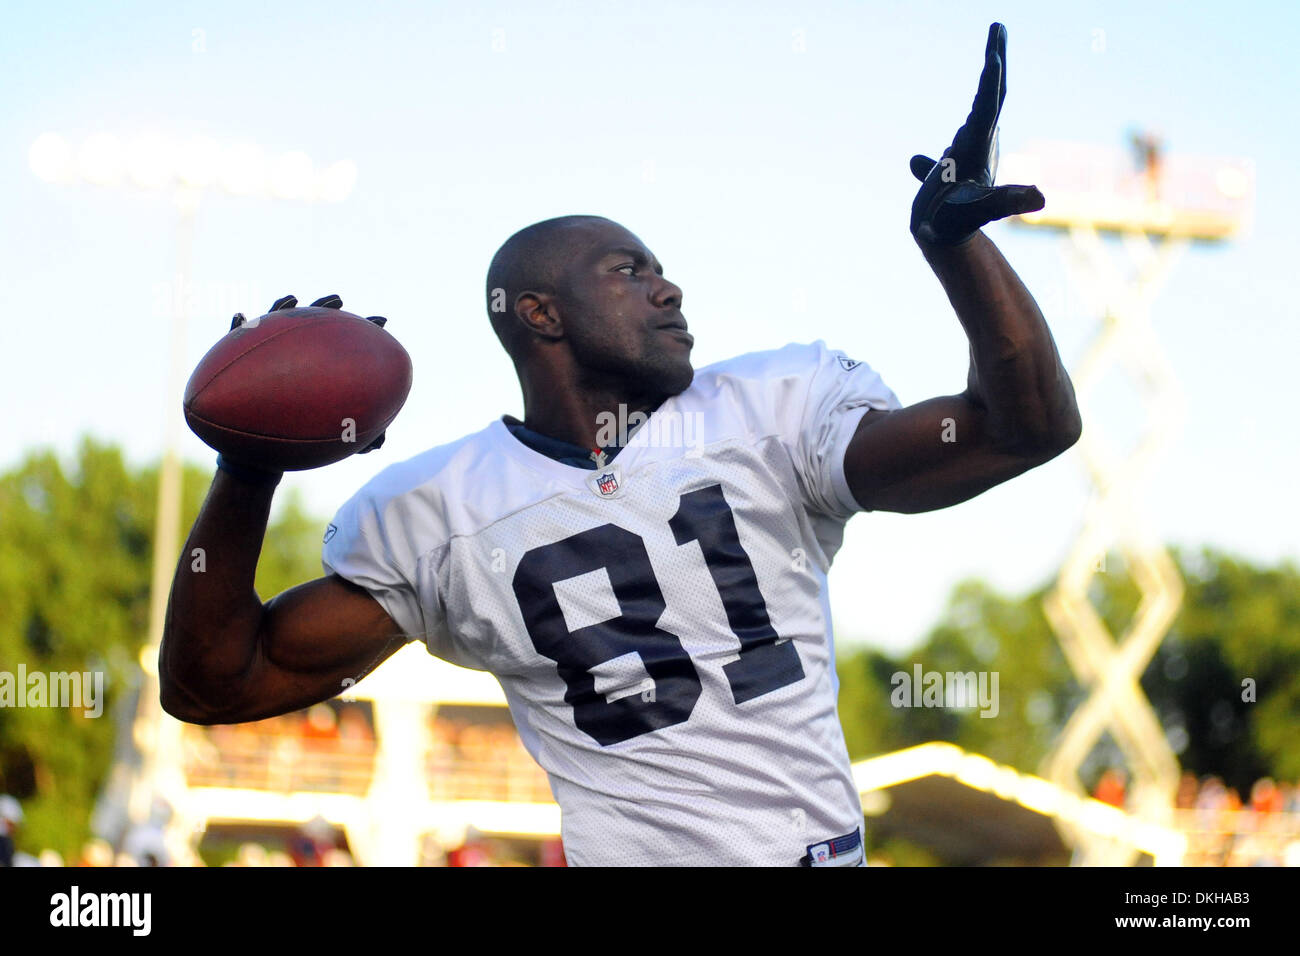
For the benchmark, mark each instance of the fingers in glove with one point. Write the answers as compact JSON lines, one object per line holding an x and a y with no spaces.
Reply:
{"x":1017,"y":200}
{"x":328,"y":302}
{"x":379,"y":320}
{"x":973,"y":143}
{"x":921,"y":166}
{"x":284,"y":302}
{"x":971,"y":207}
{"x":993,"y":81}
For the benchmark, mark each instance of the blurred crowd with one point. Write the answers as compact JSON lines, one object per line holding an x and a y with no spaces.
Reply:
{"x":322,"y":748}
{"x":472,"y":755}
{"x":471,"y":760}
{"x":1222,"y":828}
{"x":319,"y":728}
{"x":316,"y":843}
{"x":330,"y":747}
{"x":142,"y":845}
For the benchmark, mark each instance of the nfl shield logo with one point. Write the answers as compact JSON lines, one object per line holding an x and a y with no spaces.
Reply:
{"x":606,"y":482}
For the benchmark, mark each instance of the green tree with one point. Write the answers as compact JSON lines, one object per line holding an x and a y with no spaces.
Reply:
{"x":1238,"y":621}
{"x":76,"y":551}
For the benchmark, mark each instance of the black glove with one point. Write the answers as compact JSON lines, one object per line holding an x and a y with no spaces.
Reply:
{"x":957,"y":194}
{"x":325,"y":302}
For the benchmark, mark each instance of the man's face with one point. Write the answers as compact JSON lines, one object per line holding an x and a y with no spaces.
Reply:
{"x":622,"y":318}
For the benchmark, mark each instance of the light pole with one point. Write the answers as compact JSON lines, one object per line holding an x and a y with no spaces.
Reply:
{"x":186,"y":168}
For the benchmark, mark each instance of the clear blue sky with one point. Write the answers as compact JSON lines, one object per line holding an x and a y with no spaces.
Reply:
{"x":772,"y":184}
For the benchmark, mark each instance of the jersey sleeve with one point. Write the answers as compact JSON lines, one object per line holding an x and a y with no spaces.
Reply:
{"x":362,"y":548}
{"x":839,"y":392}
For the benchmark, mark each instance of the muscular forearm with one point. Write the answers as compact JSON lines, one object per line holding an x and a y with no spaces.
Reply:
{"x":1016,"y":374}
{"x":211,"y":631}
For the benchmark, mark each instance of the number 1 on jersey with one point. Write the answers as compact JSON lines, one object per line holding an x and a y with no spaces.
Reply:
{"x":766,"y":662}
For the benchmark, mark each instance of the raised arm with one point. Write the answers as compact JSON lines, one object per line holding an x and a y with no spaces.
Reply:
{"x":1018,"y":409}
{"x":226,"y":657}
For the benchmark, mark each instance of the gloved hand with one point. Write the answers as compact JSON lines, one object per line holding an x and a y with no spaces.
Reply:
{"x":957,"y":194}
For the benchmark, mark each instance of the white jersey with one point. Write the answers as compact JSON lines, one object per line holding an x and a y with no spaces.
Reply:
{"x":660,"y":626}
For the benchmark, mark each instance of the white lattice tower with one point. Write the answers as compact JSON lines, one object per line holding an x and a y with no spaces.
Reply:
{"x":1174,"y":200}
{"x":1110,"y":669}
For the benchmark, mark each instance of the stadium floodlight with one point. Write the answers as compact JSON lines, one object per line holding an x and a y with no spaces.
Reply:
{"x":291,"y":176}
{"x":196,"y":161}
{"x":155,"y":161}
{"x":51,"y":158}
{"x":1104,"y":190}
{"x":150,"y":161}
{"x":99,"y":160}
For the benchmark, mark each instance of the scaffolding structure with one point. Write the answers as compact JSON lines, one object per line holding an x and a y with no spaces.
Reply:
{"x":1156,"y":206}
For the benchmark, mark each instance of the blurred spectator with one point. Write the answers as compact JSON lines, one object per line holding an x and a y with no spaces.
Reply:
{"x":313,"y":842}
{"x":1110,"y":788}
{"x":320,"y":731}
{"x":320,"y":736}
{"x":1212,"y":797}
{"x":11,"y":818}
{"x":355,"y":735}
{"x":1221,"y":832}
{"x":552,"y":853}
{"x":11,"y":814}
{"x":145,"y":844}
{"x":250,"y":854}
{"x":96,"y":852}
{"x":286,"y":751}
{"x":1265,"y":797}
{"x":1292,"y":797}
{"x":473,"y":852}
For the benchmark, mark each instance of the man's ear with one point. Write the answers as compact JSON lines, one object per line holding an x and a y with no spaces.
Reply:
{"x":538,"y":313}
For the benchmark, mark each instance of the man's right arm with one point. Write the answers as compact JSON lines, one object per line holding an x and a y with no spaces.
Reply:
{"x":225,"y":656}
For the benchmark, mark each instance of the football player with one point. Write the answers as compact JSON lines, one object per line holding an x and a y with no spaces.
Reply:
{"x":641,"y":561}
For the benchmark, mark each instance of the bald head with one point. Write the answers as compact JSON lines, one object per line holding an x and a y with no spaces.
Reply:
{"x":580,"y":302}
{"x":534,"y":259}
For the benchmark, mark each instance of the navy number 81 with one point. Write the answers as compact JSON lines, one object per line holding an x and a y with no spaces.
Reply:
{"x":765,"y":663}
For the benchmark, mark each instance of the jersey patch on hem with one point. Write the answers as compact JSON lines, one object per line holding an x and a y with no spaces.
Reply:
{"x":843,"y":850}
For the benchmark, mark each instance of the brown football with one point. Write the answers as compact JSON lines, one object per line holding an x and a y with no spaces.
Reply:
{"x":298,"y":388}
